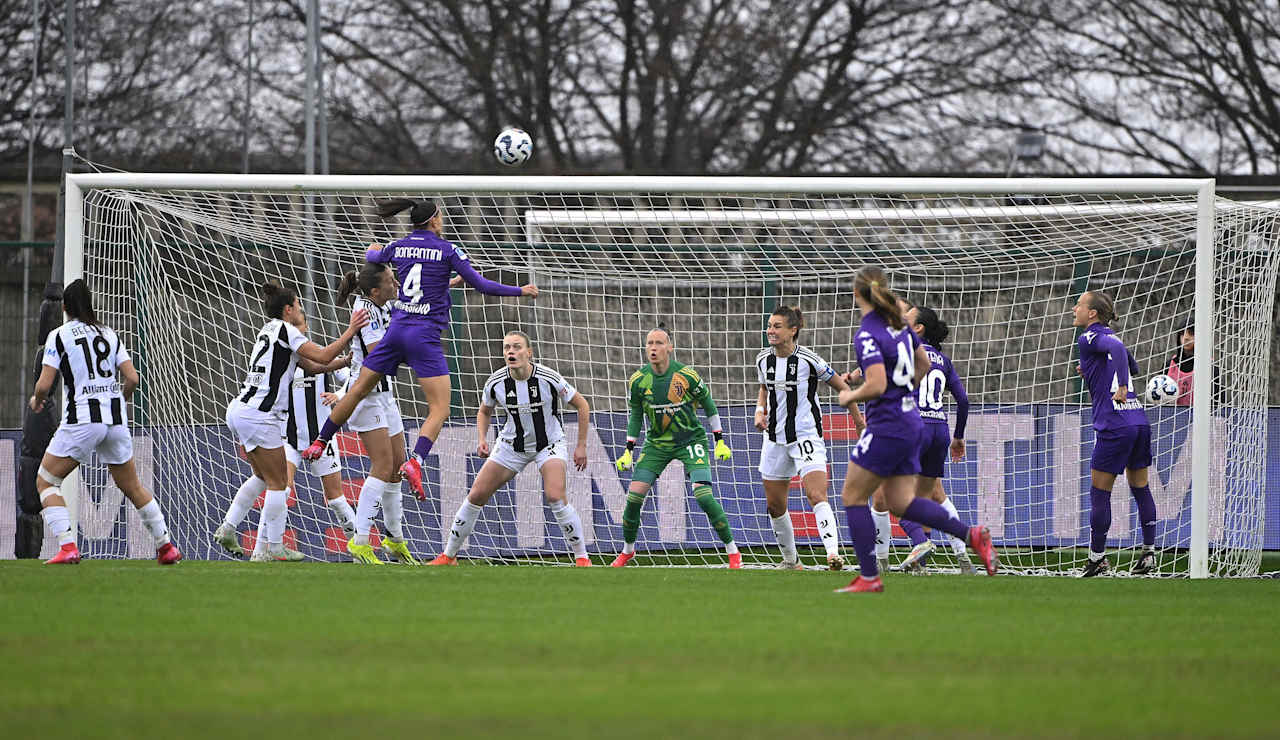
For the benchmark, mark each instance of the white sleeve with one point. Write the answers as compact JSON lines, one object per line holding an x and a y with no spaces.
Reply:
{"x":51,"y":357}
{"x":487,"y":398}
{"x":822,"y":369}
{"x":122,"y":354}
{"x":760,"y":371}
{"x":295,"y":337}
{"x":566,"y":391}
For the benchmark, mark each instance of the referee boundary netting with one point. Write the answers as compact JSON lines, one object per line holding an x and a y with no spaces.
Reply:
{"x":176,"y":270}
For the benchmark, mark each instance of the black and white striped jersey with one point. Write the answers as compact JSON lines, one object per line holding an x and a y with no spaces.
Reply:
{"x":307,"y":412}
{"x":369,"y":335}
{"x":271,"y":367}
{"x":533,"y":407}
{"x":89,"y":358}
{"x":792,"y":385}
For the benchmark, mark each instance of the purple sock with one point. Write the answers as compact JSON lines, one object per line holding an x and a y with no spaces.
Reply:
{"x":1100,"y":518}
{"x":914,"y":531}
{"x":327,"y":430}
{"x":931,"y":514}
{"x":423,"y":447}
{"x":862,"y":530}
{"x":1146,"y":514}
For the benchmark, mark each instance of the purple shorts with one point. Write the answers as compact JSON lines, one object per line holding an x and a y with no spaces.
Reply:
{"x":415,"y":345}
{"x":887,"y":456}
{"x":935,"y":444}
{"x":1114,"y":450}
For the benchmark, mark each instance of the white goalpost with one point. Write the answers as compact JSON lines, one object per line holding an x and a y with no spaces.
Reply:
{"x":175,"y":260}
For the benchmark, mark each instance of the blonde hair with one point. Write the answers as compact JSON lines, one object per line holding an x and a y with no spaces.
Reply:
{"x":871,"y":284}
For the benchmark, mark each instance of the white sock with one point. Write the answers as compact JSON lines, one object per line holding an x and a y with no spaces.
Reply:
{"x":730,"y":548}
{"x":628,"y":548}
{"x":463,"y":523}
{"x":342,"y":509}
{"x":271,"y":526}
{"x":786,"y":534}
{"x":1096,"y":556}
{"x":367,"y":506}
{"x":153,"y":520}
{"x":249,"y":492}
{"x":571,"y":525}
{"x":884,"y":532}
{"x":827,"y":527}
{"x":58,"y":521}
{"x":957,"y":544}
{"x":393,"y":510}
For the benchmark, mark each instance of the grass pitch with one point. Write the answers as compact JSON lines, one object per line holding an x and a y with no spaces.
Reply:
{"x":130,"y":649}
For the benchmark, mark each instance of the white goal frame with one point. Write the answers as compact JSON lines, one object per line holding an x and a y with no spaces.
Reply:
{"x":1203,"y":189}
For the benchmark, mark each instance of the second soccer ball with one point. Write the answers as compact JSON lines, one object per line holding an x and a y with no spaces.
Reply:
{"x":513,"y":147}
{"x":1162,"y":389}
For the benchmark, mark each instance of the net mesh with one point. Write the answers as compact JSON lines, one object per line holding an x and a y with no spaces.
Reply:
{"x":176,"y":273}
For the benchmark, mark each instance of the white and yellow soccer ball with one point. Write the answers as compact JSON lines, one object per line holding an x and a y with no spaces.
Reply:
{"x":513,"y":147}
{"x":1162,"y":389}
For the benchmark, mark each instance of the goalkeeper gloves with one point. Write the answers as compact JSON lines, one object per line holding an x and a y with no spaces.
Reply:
{"x":624,"y":462}
{"x":722,"y":450}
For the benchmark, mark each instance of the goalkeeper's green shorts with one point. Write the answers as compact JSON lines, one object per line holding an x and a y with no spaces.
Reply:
{"x":653,"y":460}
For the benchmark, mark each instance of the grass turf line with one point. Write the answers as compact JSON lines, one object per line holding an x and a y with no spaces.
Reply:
{"x":129,"y":649}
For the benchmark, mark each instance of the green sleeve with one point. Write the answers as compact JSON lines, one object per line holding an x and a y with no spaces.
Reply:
{"x":635,"y":422}
{"x":702,"y":394}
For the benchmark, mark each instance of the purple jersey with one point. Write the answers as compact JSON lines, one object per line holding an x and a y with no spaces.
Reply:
{"x":942,"y":377}
{"x":424,"y":263}
{"x":894,"y":413}
{"x":1107,"y":365}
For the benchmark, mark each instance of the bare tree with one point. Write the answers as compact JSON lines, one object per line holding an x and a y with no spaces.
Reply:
{"x":1170,"y":85}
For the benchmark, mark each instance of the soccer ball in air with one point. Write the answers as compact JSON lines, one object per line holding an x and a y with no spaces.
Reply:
{"x":513,"y":147}
{"x":1162,"y":389}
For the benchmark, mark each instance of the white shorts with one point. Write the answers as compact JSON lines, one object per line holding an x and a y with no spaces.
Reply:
{"x":377,"y":411}
{"x":253,"y":428}
{"x":504,"y":455}
{"x":112,"y":442}
{"x":783,"y":462}
{"x":327,"y":464}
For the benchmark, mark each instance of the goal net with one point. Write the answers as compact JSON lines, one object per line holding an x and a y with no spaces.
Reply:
{"x":175,"y":263}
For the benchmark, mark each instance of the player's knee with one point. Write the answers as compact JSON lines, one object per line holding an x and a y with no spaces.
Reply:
{"x":48,"y":479}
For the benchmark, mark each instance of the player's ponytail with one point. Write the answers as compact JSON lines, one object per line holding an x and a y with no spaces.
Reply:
{"x":275,"y":298}
{"x":793,"y":317}
{"x":871,"y":284}
{"x":364,"y":281}
{"x":420,"y":211}
{"x":935,"y":329}
{"x":1104,"y":304}
{"x":77,"y":301}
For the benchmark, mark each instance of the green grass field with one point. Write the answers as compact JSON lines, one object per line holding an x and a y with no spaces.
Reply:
{"x":130,"y":649}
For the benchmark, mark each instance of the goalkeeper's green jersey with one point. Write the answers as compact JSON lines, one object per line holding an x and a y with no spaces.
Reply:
{"x":668,"y":401}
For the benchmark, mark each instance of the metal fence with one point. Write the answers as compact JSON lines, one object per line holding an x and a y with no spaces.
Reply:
{"x":24,"y":271}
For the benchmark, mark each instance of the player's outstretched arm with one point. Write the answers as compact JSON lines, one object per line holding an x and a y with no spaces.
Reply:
{"x":584,"y":425}
{"x":483,"y":416}
{"x":841,"y":384}
{"x":702,"y":394}
{"x":873,"y":386}
{"x":635,"y":423}
{"x":324,"y":355}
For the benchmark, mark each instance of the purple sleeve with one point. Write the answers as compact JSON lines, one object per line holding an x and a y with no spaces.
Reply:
{"x":479,"y":282}
{"x":1113,"y":346}
{"x":380,"y":256}
{"x":956,"y":386}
